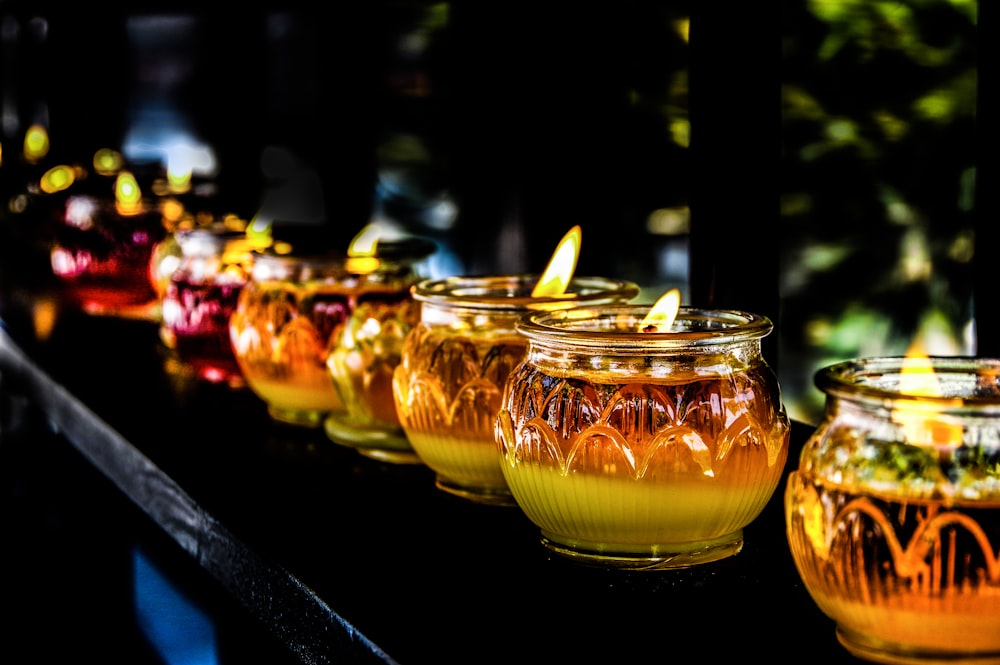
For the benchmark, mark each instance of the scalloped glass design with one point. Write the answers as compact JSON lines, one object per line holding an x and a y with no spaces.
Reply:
{"x":906,"y":580}
{"x":448,"y":393}
{"x":281,"y":333}
{"x":895,"y":528}
{"x":361,"y":366}
{"x":647,"y":473}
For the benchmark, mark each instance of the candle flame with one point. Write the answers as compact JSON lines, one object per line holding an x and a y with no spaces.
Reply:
{"x":562,"y":265}
{"x":663,"y":313}
{"x":361,"y":251}
{"x":921,"y":422}
{"x":107,"y":161}
{"x":57,"y":179}
{"x":259,"y":234}
{"x":36,"y":143}
{"x":917,"y":376}
{"x":128,"y":198}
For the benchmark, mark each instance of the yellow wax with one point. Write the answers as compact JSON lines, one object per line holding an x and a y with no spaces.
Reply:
{"x":634,"y":515}
{"x":466,"y":460}
{"x":962,"y":623}
{"x":317,"y":394}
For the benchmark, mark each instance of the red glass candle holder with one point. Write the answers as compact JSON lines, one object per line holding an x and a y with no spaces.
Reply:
{"x":103,"y":253}
{"x":200,"y":297}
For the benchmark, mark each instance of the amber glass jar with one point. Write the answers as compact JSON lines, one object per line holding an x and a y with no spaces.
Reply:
{"x":369,"y":346}
{"x":455,"y":363}
{"x":286,"y":318}
{"x":893,"y":513}
{"x":642,"y":449}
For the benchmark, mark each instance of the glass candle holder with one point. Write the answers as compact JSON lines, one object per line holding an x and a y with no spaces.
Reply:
{"x":286,"y":319}
{"x":201,"y":296}
{"x":368,"y":348}
{"x":103,"y":253}
{"x":454,"y":365}
{"x":642,"y":450}
{"x":893,"y":513}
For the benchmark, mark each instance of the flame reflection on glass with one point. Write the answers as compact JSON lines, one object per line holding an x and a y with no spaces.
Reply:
{"x":922,"y":421}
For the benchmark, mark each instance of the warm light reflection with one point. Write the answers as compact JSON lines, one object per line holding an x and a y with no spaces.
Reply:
{"x":128,"y":198}
{"x":36,"y":143}
{"x":173,"y":212}
{"x":662,"y":314}
{"x":43,"y":315}
{"x":562,"y":265}
{"x":922,"y":422}
{"x":107,"y":162}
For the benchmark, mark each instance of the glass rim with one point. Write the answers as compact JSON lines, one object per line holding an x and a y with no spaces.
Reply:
{"x":618,"y":327}
{"x":513,"y":292}
{"x":868,"y":379}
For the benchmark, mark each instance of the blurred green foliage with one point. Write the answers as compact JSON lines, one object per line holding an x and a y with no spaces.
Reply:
{"x":878,"y":174}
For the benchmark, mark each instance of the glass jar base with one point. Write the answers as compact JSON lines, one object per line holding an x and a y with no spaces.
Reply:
{"x":878,"y":651}
{"x":653,"y":557}
{"x":389,"y":456}
{"x":298,"y":417}
{"x":494,"y":496}
{"x":385,"y":445}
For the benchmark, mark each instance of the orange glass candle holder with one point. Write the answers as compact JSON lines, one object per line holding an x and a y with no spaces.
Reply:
{"x":285,"y":324}
{"x":641,"y":449}
{"x":455,"y":363}
{"x":893,"y":513}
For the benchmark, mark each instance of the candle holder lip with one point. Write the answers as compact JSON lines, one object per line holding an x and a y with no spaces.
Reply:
{"x":619,"y":327}
{"x":304,"y":248}
{"x":965,"y":381}
{"x":512,"y":292}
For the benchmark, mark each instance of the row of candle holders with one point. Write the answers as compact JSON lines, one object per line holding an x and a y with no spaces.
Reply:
{"x":629,"y":445}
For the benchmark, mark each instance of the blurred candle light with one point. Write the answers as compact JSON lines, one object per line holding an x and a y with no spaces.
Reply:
{"x":36,"y":143}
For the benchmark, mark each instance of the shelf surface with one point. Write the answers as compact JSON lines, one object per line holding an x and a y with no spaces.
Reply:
{"x":347,"y":559}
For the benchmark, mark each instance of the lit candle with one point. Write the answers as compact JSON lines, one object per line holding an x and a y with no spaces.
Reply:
{"x":199,"y":299}
{"x":368,"y":348}
{"x":638,"y":444}
{"x":455,"y":362}
{"x":103,"y":248}
{"x":893,"y":514}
